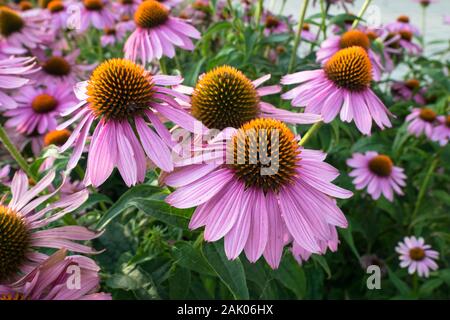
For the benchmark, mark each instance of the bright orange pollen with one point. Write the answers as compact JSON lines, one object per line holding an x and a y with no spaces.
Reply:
{"x":381,"y":165}
{"x":44,"y":103}
{"x":354,"y":38}
{"x":57,"y":137}
{"x":428,"y":115}
{"x":151,"y":14}
{"x":55,"y":6}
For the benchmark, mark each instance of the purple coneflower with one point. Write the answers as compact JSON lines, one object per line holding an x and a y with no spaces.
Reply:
{"x":342,"y":85}
{"x":170,"y":3}
{"x":12,"y":72}
{"x":120,"y":95}
{"x":158,"y":33}
{"x":50,"y":280}
{"x":22,"y":30}
{"x":126,"y":7}
{"x":425,"y":3}
{"x":421,"y":121}
{"x":378,"y":173}
{"x":58,"y":14}
{"x":38,"y":108}
{"x":4,"y":175}
{"x":21,"y":224}
{"x":409,"y":90}
{"x":402,"y":25}
{"x":349,"y":39}
{"x":96,"y":13}
{"x":111,"y":36}
{"x":274,"y":25}
{"x":256,"y":205}
{"x":417,"y":256}
{"x":225,"y":97}
{"x":441,"y":132}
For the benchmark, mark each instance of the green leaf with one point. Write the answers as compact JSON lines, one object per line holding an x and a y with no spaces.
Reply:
{"x":162,"y":211}
{"x":179,"y":282}
{"x":428,"y":287}
{"x":192,"y":258}
{"x":292,"y":276}
{"x":230,"y":272}
{"x":323,"y":263}
{"x":401,"y":286}
{"x":348,"y":237}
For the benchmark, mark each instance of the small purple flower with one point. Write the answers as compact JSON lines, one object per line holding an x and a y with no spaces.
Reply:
{"x":422,"y":121}
{"x":417,"y":256}
{"x":409,"y":90}
{"x":441,"y":132}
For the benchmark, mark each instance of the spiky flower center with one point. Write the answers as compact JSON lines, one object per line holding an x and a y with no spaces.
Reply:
{"x":404,"y":19}
{"x":125,"y":2}
{"x":225,"y":97}
{"x":381,"y":165}
{"x":354,"y":38}
{"x":417,"y":254}
{"x":272,"y":22}
{"x":372,"y":35}
{"x":10,"y":22}
{"x":55,"y":6}
{"x":44,"y":103}
{"x":412,"y":84}
{"x":109,"y":31}
{"x":10,"y":296}
{"x":118,"y":89}
{"x":428,"y":115}
{"x":350,"y":68}
{"x":93,"y":5}
{"x":57,"y":66}
{"x":57,"y":137}
{"x":406,"y":35}
{"x":25,"y":5}
{"x":306,"y":27}
{"x":151,"y":14}
{"x":14,"y":242}
{"x":265,"y":154}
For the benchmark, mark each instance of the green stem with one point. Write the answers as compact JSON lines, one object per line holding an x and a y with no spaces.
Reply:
{"x":17,"y":156}
{"x":259,"y":11}
{"x":323,"y":24}
{"x":162,"y":66}
{"x":282,"y":6}
{"x":298,"y":36}
{"x":423,"y":188}
{"x":424,"y":24}
{"x":361,"y":13}
{"x":310,"y":133}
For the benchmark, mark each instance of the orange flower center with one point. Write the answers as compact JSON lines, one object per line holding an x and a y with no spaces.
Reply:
{"x":118,"y":89}
{"x":57,"y":137}
{"x":306,"y":27}
{"x":25,"y":5}
{"x":57,"y":66}
{"x":265,"y":154}
{"x":412,"y":84}
{"x":10,"y":21}
{"x":404,"y":19}
{"x":447,"y":121}
{"x":93,"y":5}
{"x":354,"y":38}
{"x":44,"y":103}
{"x":225,"y":97}
{"x":55,"y":6}
{"x":417,"y":254}
{"x":428,"y":115}
{"x":272,"y":22}
{"x":151,"y":14}
{"x":350,"y":68}
{"x":381,"y":165}
{"x":406,"y":35}
{"x":109,"y":31}
{"x":372,"y":35}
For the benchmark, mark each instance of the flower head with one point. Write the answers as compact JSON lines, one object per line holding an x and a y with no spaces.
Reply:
{"x":267,"y":193}
{"x":378,"y":173}
{"x":417,"y":256}
{"x":97,"y":13}
{"x":410,"y":89}
{"x":422,"y":121}
{"x":342,"y":85}
{"x":120,"y":95}
{"x":441,"y":132}
{"x":158,"y":33}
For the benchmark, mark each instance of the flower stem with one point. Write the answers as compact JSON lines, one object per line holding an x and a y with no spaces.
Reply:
{"x":4,"y":138}
{"x":310,"y":133}
{"x":259,"y":11}
{"x":424,"y":24}
{"x":298,"y":36}
{"x":361,"y":13}
{"x":424,"y":187}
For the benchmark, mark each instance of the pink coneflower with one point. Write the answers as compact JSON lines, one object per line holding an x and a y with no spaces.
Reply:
{"x":111,"y":36}
{"x":306,"y":33}
{"x":126,"y":7}
{"x":38,"y":108}
{"x":21,"y":224}
{"x":4,"y":175}
{"x":58,"y":14}
{"x":421,"y":121}
{"x":225,"y":97}
{"x":158,"y":33}
{"x":417,"y":256}
{"x":378,"y":173}
{"x":259,"y":206}
{"x":349,"y":39}
{"x":274,"y":25}
{"x":441,"y":132}
{"x":302,"y":255}
{"x":22,"y":30}
{"x":96,"y":13}
{"x":343,"y":84}
{"x":425,"y":3}
{"x":402,"y":25}
{"x":170,"y":3}
{"x":121,"y":95}
{"x":126,"y":24}
{"x":51,"y":278}
{"x":409,"y":90}
{"x":13,"y":75}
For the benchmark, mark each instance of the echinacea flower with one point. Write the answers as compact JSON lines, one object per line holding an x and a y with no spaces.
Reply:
{"x":225,"y":97}
{"x":306,"y":33}
{"x":342,"y":85}
{"x":13,"y":75}
{"x":20,"y":31}
{"x":274,"y":25}
{"x":260,"y":203}
{"x":378,"y":173}
{"x":59,"y":15}
{"x":170,"y":3}
{"x":409,"y":90}
{"x":349,"y":39}
{"x":51,"y":280}
{"x":122,"y":95}
{"x":421,"y":121}
{"x":39,"y":108}
{"x":402,"y":25}
{"x":25,"y":5}
{"x":126,"y":7}
{"x":96,"y":13}
{"x":4,"y":175}
{"x":441,"y":132}
{"x":21,"y":222}
{"x":158,"y":33}
{"x":111,"y":36}
{"x":417,"y":256}
{"x":425,"y":3}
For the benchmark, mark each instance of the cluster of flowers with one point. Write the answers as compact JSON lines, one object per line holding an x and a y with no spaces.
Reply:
{"x":128,"y":106}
